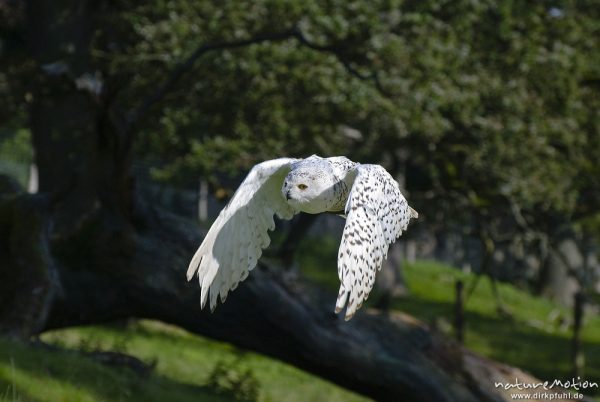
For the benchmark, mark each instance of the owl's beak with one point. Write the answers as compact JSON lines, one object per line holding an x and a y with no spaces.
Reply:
{"x":287,"y":195}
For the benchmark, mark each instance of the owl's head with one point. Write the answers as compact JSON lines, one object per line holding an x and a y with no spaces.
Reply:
{"x":308,"y":190}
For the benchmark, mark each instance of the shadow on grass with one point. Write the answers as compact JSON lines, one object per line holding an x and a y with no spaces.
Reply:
{"x":544,"y":354}
{"x":37,"y":374}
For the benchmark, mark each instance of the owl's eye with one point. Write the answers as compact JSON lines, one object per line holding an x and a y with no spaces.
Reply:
{"x":302,"y":186}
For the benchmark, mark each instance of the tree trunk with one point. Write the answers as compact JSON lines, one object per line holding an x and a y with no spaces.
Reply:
{"x":390,"y":282}
{"x":82,"y":153}
{"x":558,"y":278}
{"x":28,"y":277}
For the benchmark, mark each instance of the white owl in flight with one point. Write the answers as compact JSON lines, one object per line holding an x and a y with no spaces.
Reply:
{"x":376,"y":214}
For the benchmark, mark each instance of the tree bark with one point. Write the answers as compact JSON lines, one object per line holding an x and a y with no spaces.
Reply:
{"x":28,"y":278}
{"x":82,"y":153}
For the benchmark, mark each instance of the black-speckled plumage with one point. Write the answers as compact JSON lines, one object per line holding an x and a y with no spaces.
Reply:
{"x":376,"y":214}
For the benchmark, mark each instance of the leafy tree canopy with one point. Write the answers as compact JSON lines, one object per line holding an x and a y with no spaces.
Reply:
{"x":485,"y":106}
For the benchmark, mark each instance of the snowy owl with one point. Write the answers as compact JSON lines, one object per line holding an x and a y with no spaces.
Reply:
{"x":375,"y":209}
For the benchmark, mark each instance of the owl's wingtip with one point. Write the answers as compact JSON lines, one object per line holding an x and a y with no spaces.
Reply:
{"x":413,"y":214}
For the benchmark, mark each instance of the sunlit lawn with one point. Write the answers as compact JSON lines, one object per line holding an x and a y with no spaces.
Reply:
{"x":535,"y":336}
{"x":184,"y":363}
{"x":36,"y":374}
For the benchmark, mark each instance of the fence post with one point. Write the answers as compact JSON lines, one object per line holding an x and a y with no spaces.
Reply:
{"x":577,"y":356}
{"x":459,"y":314}
{"x":203,"y":200}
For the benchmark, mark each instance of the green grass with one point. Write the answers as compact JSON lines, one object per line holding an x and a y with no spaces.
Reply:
{"x":184,"y":364}
{"x":535,"y":336}
{"x":36,"y":374}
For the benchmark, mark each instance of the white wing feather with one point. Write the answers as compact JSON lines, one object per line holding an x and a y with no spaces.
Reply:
{"x":235,"y":241}
{"x":376,"y":214}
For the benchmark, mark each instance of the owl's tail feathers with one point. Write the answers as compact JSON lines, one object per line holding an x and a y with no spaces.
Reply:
{"x":413,"y":214}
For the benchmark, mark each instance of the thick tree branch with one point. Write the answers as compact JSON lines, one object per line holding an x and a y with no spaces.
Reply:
{"x":187,"y":65}
{"x":373,"y":76}
{"x":184,"y":67}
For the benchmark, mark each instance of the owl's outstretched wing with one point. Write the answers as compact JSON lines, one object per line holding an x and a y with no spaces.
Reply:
{"x":376,"y":214}
{"x":236,"y":239}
